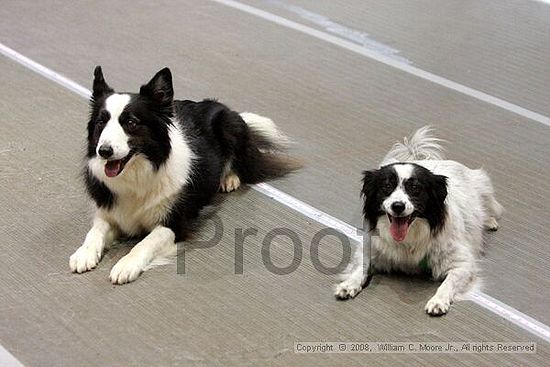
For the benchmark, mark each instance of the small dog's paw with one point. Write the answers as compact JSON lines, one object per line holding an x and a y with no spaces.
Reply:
{"x":84,"y":259}
{"x":230,"y":182}
{"x":437,"y":306}
{"x":347,"y":289}
{"x":127,"y":269}
{"x":491,"y":224}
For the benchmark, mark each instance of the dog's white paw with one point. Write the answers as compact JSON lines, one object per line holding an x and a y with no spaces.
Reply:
{"x":230,"y":182}
{"x":127,"y":269}
{"x":491,"y":224}
{"x":437,"y":306}
{"x":347,"y":289}
{"x":85,"y":258}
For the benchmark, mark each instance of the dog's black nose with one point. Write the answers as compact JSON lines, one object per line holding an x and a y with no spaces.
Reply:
{"x":105,"y":151}
{"x":398,"y":207}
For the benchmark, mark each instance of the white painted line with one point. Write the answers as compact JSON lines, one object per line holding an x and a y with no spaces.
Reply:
{"x":44,"y":71}
{"x":511,"y":314}
{"x":426,"y":75}
{"x":289,"y":201}
{"x":354,"y":35}
{"x":7,"y":359}
{"x":307,"y":210}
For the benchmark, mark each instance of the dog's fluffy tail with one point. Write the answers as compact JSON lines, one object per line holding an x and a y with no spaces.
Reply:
{"x":422,"y":145}
{"x":264,"y":157}
{"x":265,"y":129}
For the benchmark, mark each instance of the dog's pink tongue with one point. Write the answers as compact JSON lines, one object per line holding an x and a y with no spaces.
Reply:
{"x":399,"y":228}
{"x":112,"y":168}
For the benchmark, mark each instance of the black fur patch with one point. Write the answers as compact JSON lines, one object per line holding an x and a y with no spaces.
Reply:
{"x":102,"y":196}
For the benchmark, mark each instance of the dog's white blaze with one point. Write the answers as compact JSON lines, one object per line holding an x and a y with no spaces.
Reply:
{"x":113,"y":134}
{"x":404,"y":172}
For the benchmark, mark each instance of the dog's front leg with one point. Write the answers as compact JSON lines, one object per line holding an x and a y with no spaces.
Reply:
{"x":353,"y":284}
{"x":160,"y":242}
{"x":88,"y":255}
{"x":356,"y":278}
{"x":458,"y":280}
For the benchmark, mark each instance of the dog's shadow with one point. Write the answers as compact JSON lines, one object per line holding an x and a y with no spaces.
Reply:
{"x":410,"y":289}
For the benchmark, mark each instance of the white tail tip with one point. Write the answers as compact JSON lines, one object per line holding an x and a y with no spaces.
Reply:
{"x":266,"y":127}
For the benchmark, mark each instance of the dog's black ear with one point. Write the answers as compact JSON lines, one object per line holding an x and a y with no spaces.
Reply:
{"x":369,"y":181}
{"x":160,"y":88}
{"x":435,"y":210}
{"x":439,"y":188}
{"x":369,"y":194}
{"x":100,"y":86}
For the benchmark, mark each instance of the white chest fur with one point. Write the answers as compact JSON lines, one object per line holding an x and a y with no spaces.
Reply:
{"x":135,"y":213}
{"x":145,"y":195}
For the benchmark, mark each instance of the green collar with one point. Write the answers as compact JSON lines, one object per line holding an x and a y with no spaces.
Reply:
{"x":423,"y":265}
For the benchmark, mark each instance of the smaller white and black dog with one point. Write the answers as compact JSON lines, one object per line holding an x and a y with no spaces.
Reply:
{"x":153,"y":163}
{"x":424,"y":213}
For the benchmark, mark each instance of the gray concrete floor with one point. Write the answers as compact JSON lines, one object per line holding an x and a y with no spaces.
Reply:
{"x":343,"y":110}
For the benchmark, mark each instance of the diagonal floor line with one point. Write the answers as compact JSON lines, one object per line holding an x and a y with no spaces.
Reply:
{"x":44,"y":71}
{"x":7,"y":359}
{"x":511,"y":314}
{"x":423,"y":74}
{"x":527,"y":323}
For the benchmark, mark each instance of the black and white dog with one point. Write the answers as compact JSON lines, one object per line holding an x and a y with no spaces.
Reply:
{"x":153,"y":163}
{"x":424,"y":211}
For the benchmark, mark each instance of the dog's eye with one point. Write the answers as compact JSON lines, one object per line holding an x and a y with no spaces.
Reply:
{"x":102,"y":118}
{"x":132,"y":124}
{"x":415,"y":187}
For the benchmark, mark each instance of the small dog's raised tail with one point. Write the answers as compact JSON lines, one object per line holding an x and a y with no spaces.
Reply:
{"x":422,"y":145}
{"x":264,"y":156}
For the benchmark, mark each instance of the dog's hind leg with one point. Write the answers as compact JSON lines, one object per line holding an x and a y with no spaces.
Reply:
{"x":491,"y":224}
{"x":229,"y":181}
{"x":494,"y":211}
{"x":159,"y":243}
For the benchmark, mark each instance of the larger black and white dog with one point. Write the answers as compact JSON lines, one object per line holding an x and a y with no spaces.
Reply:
{"x":153,"y":163}
{"x":424,"y":212}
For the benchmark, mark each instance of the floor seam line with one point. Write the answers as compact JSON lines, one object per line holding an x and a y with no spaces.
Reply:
{"x":373,"y":55}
